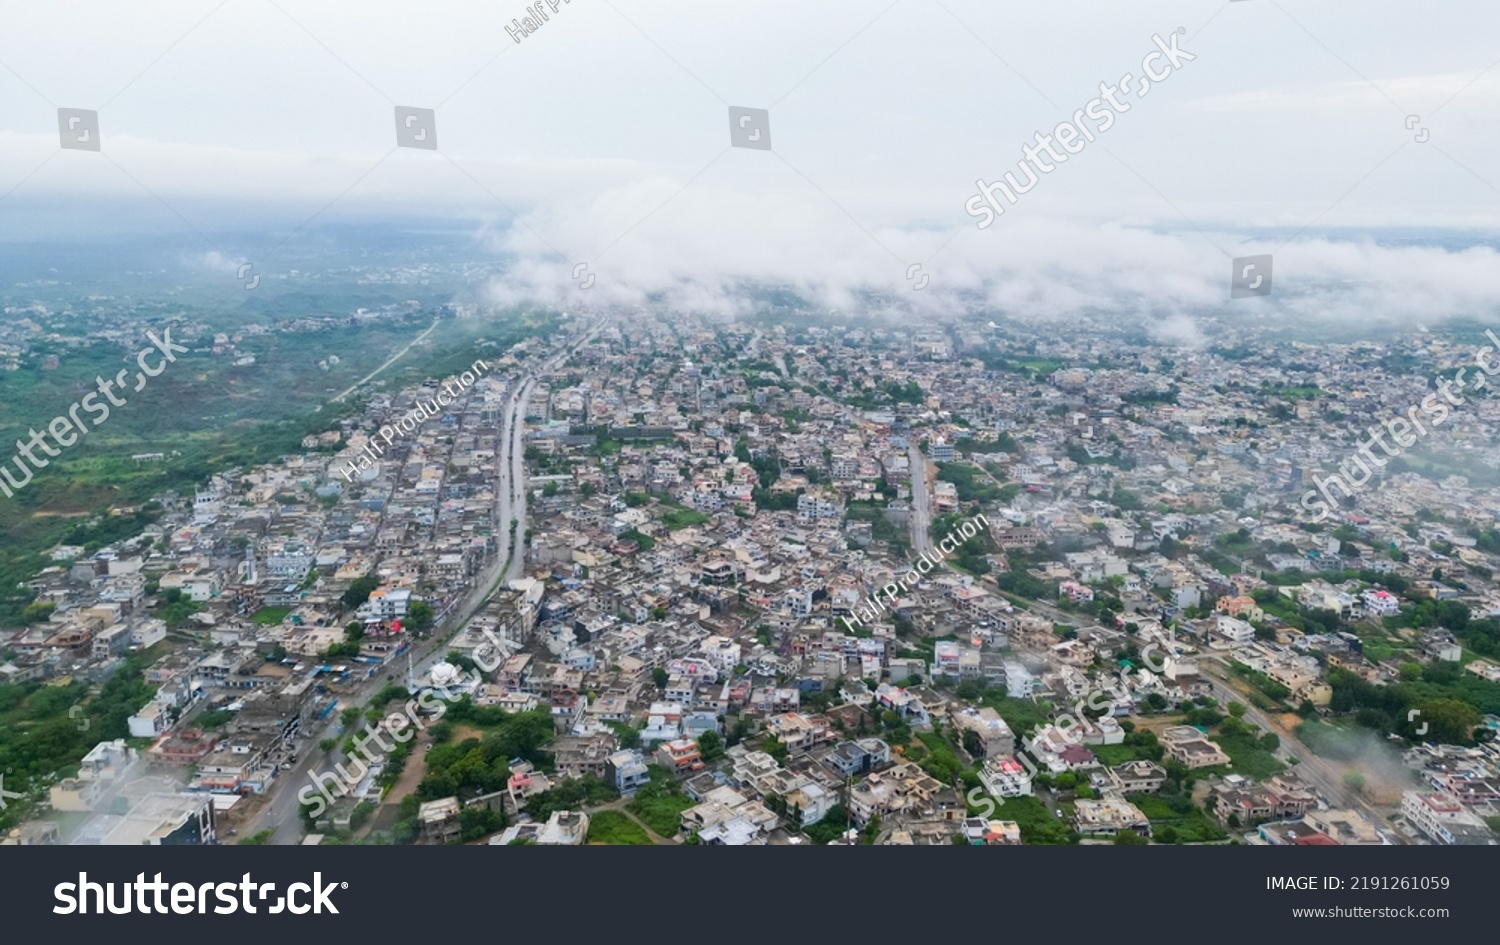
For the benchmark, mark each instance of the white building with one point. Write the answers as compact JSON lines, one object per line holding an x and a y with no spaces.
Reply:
{"x":1443,"y":819}
{"x":1005,"y":777}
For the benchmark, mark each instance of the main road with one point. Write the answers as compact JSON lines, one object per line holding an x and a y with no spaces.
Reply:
{"x":1311,"y":768}
{"x":921,"y":501}
{"x":280,"y":812}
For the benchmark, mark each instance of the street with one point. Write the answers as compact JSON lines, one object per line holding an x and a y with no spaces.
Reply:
{"x":921,"y":501}
{"x":280,"y":812}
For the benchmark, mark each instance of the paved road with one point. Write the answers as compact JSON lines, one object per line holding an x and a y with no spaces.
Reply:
{"x":921,"y":501}
{"x":280,"y":812}
{"x":1327,"y":778}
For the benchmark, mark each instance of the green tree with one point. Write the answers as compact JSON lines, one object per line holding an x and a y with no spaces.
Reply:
{"x":419,"y":616}
{"x":359,"y":591}
{"x":37,"y":611}
{"x":1448,"y":720}
{"x":1354,"y":781}
{"x":711,"y":746}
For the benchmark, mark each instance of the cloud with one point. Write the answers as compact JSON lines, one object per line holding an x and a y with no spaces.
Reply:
{"x":701,"y":247}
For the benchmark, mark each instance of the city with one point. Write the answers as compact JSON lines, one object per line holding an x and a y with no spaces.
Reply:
{"x":658,"y":578}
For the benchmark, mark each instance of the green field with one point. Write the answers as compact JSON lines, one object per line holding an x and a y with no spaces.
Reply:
{"x":270,"y":616}
{"x":204,"y":415}
{"x":614,"y":828}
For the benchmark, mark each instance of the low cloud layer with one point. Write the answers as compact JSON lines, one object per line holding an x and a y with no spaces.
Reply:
{"x":706,"y":246}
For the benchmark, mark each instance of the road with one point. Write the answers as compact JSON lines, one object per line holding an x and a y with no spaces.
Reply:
{"x":280,"y":812}
{"x":921,"y":501}
{"x":1327,"y":778}
{"x":389,"y":361}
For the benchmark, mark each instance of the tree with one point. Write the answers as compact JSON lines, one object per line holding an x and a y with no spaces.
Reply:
{"x":360,"y":815}
{"x":773,"y":747}
{"x":1237,"y":710}
{"x":359,"y":591}
{"x":37,"y":611}
{"x":1354,"y":781}
{"x":1167,"y":834}
{"x":477,"y":821}
{"x":660,"y":677}
{"x":711,"y":746}
{"x":419,"y":616}
{"x":1129,"y":838}
{"x":1448,"y":720}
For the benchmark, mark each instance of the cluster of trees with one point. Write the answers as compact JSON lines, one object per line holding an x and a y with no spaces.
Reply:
{"x":479,"y":766}
{"x":359,"y":591}
{"x":174,"y":608}
{"x":970,"y":555}
{"x":38,"y":737}
{"x":973,"y":485}
{"x":1450,"y":702}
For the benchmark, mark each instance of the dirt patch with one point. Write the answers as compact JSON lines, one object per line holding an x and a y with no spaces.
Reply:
{"x":1156,"y":723}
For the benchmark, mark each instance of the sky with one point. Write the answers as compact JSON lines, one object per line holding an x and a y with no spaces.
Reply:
{"x":1354,"y":141}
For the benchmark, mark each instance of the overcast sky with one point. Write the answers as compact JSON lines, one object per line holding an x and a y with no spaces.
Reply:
{"x":607,"y":131}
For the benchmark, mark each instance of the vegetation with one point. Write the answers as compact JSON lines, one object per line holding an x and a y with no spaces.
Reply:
{"x":38,"y":737}
{"x":660,"y":803}
{"x":479,"y":766}
{"x":974,"y":485}
{"x":616,"y":829}
{"x":830,"y":828}
{"x":1176,"y":819}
